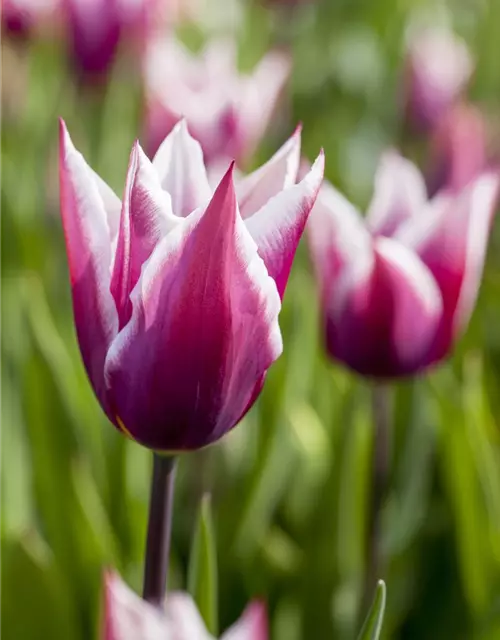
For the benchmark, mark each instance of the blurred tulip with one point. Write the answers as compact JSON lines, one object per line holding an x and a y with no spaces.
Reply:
{"x":96,"y":27}
{"x":128,"y":617}
{"x":176,"y":291}
{"x":439,"y":67}
{"x":458,"y":149}
{"x":227,"y":112}
{"x":398,"y":289}
{"x":21,"y":17}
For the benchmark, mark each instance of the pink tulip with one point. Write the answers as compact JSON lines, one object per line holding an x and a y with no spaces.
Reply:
{"x":128,"y":617}
{"x":177,"y":289}
{"x":227,"y":112}
{"x":439,"y":67}
{"x":458,"y":149}
{"x":96,"y":29}
{"x":399,"y":288}
{"x":20,"y":17}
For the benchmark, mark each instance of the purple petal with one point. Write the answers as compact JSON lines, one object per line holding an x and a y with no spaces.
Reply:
{"x":252,"y":625}
{"x":383,"y":312}
{"x":451,"y":239}
{"x":128,"y":617}
{"x":278,"y":173}
{"x":179,"y":163}
{"x":88,"y":245}
{"x":337,"y":237}
{"x":400,"y":193}
{"x":278,"y":226}
{"x":203,"y":332}
{"x":145,"y":218}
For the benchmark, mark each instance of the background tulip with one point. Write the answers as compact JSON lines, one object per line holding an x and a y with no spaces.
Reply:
{"x":438,"y":68}
{"x":127,"y":617}
{"x":458,"y":149}
{"x":20,"y":17}
{"x":176,"y":291}
{"x":398,"y":289}
{"x":227,"y":111}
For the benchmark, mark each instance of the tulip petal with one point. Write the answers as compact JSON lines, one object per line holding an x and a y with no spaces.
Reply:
{"x":184,"y":619}
{"x":146,"y":217}
{"x":337,"y":236}
{"x":179,"y":163}
{"x":251,"y":626}
{"x":202,"y":334}
{"x":88,"y":244}
{"x":400,"y":193}
{"x":128,"y":617}
{"x":278,"y":226}
{"x":451,"y":239}
{"x":280,"y":172}
{"x":384,"y":312}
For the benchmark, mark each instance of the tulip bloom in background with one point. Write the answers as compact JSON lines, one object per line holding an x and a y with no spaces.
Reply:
{"x":398,"y":289}
{"x":458,"y":149}
{"x":438,"y":69}
{"x":21,"y":17}
{"x":127,"y":617}
{"x":227,"y":111}
{"x":177,"y":290}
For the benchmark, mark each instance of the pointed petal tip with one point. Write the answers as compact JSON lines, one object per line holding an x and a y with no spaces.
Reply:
{"x":298,"y":130}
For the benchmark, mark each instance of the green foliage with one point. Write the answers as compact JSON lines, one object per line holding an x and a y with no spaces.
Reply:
{"x":202,"y":574}
{"x":290,"y":486}
{"x":375,"y":618}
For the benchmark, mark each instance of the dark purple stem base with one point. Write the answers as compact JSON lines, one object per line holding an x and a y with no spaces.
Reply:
{"x":159,"y":529}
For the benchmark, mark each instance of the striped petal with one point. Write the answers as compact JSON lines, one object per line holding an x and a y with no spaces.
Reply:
{"x":278,"y":226}
{"x":251,"y":626}
{"x":202,"y":334}
{"x":146,"y":217}
{"x":400,"y":193}
{"x":88,"y":244}
{"x":337,"y":237}
{"x":451,"y":239}
{"x":179,"y":163}
{"x":280,"y":172}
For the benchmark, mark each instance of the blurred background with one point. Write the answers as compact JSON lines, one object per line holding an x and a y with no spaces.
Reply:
{"x":291,"y":485}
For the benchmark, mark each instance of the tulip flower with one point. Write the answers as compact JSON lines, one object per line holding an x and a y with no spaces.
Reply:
{"x":128,"y":617}
{"x":227,"y":112}
{"x":20,"y":17}
{"x":398,"y":288}
{"x":439,"y":67}
{"x":458,"y":149}
{"x":177,"y":289}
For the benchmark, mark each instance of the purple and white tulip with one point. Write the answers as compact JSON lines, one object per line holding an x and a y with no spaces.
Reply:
{"x":226,"y":111}
{"x":128,"y":617}
{"x":439,"y":67}
{"x":398,"y":288}
{"x":177,"y":289}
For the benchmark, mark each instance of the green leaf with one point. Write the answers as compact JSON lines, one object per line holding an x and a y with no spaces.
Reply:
{"x":373,"y":623}
{"x":202,"y":577}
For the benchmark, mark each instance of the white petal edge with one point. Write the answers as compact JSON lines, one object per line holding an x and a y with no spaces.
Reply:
{"x":278,"y":173}
{"x":181,"y":170}
{"x":399,"y":192}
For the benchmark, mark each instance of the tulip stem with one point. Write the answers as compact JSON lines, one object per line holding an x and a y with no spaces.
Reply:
{"x":375,"y":563}
{"x":159,"y":529}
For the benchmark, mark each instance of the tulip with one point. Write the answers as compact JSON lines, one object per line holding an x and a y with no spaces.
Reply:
{"x":398,"y":289}
{"x":127,"y":617}
{"x":439,"y":67}
{"x":20,"y":17}
{"x":177,"y":289}
{"x":227,"y":112}
{"x":462,"y":129}
{"x":96,"y":28}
